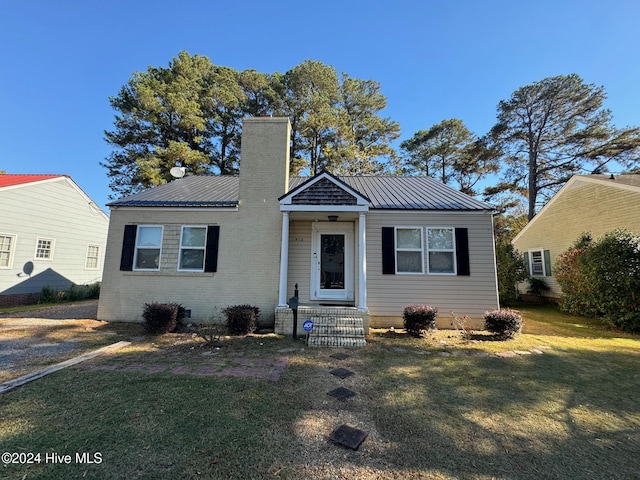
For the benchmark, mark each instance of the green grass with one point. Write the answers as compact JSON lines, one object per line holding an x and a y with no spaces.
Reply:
{"x":571,"y":412}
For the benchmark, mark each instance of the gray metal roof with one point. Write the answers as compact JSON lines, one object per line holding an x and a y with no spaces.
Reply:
{"x":191,"y":191}
{"x":384,"y":192}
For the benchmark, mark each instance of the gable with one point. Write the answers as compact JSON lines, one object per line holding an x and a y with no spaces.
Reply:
{"x":324,"y":192}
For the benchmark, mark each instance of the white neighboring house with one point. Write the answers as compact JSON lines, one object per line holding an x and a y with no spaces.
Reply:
{"x":51,"y":233}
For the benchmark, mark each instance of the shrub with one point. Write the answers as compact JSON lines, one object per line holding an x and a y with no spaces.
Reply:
{"x":504,"y":324}
{"x":537,"y":287}
{"x":49,"y":294}
{"x":511,"y":270}
{"x":419,"y":318}
{"x":160,"y":317}
{"x":241,"y":319}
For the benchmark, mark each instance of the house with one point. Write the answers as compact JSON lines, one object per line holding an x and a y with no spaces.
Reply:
{"x":51,"y":234}
{"x":586,"y":203}
{"x":359,"y":248}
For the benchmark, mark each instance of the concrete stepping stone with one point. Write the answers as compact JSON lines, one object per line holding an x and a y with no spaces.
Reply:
{"x":341,"y":372}
{"x":347,"y":436}
{"x":342,"y":393}
{"x":339,"y":356}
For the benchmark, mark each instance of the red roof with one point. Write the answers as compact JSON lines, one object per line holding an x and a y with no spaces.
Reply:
{"x":9,"y":179}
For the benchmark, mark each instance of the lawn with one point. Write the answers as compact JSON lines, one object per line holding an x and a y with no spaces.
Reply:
{"x":436,"y":408}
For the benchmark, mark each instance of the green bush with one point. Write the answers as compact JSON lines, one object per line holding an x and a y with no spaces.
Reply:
{"x":48,"y":294}
{"x":241,"y":319}
{"x":602,"y":279}
{"x":74,"y":293}
{"x":504,"y":323}
{"x":511,"y":270}
{"x":160,"y":318}
{"x":419,"y":318}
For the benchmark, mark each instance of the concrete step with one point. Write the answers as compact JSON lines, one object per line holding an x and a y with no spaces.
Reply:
{"x":341,"y":321}
{"x":323,"y":341}
{"x":338,"y":331}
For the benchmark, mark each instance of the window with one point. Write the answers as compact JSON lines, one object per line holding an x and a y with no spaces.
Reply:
{"x":409,"y":258}
{"x":148,"y":247}
{"x":93,"y":257}
{"x":7,"y":243}
{"x":441,"y":258}
{"x":193,"y":241}
{"x":44,"y":249}
{"x":539,"y":263}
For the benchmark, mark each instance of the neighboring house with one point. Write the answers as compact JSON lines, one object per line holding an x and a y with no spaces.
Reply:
{"x":586,"y":203}
{"x":51,"y":233}
{"x":357,"y":247}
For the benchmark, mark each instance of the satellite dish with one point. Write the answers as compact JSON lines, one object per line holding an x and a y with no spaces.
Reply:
{"x":178,"y":172}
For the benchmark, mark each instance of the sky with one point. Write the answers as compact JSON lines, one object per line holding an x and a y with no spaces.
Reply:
{"x":434,"y":60}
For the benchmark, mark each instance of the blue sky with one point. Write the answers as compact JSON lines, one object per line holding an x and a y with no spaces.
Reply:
{"x":435,"y":59}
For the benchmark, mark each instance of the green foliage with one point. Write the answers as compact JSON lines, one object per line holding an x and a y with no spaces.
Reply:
{"x":602,"y":279}
{"x":241,"y":319}
{"x":537,"y":287}
{"x":160,"y":318}
{"x":511,"y":270}
{"x":555,"y":128}
{"x":49,"y":294}
{"x":451,"y":153}
{"x":419,"y":318}
{"x":504,"y":323}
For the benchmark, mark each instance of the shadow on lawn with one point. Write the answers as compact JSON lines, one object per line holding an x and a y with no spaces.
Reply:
{"x":559,"y":415}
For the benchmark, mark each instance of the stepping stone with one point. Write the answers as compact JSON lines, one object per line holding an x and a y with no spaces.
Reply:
{"x":536,"y":351}
{"x":341,"y":372}
{"x":507,"y":354}
{"x":339,"y":356}
{"x":399,"y":349}
{"x":522,"y":352}
{"x":444,"y":354}
{"x":347,"y":436}
{"x":342,"y":393}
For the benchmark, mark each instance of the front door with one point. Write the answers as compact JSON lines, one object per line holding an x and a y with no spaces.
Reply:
{"x":332,"y":261}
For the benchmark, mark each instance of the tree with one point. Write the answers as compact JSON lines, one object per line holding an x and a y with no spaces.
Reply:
{"x":451,"y":153}
{"x":553,"y":129}
{"x":363,"y":136}
{"x":165,"y":119}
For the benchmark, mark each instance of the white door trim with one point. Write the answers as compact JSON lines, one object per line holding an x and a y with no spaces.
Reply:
{"x":346,"y":229}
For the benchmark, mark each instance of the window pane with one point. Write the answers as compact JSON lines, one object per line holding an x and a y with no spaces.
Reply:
{"x":537,"y":267}
{"x":192,"y":260}
{"x":194,"y":236}
{"x":409,"y":238}
{"x":149,"y":236}
{"x":148,"y":258}
{"x":441,"y":262}
{"x":440,"y":238}
{"x":409,"y":262}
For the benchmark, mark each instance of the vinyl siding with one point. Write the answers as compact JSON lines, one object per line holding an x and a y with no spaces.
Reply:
{"x":52,"y":209}
{"x":583,"y":207}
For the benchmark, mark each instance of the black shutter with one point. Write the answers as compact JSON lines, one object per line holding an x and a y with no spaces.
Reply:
{"x":388,"y":251}
{"x":462,"y":251}
{"x":526,"y":263}
{"x":128,"y":247}
{"x":211,"y":252}
{"x":547,"y":263}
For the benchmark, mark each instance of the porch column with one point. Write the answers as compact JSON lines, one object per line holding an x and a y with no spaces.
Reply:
{"x":284,"y":261}
{"x":362,"y":262}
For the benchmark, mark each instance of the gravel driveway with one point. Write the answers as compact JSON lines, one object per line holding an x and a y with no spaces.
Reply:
{"x":66,"y":311}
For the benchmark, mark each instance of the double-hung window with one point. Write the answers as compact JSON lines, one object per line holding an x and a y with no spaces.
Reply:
{"x":193,"y":241}
{"x":93,"y":257}
{"x":148,"y":247}
{"x":537,"y":263}
{"x":44,"y":249}
{"x":409,"y":250}
{"x":441,"y":251}
{"x":7,"y":245}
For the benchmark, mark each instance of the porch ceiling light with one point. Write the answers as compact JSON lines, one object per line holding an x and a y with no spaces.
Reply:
{"x":333,"y":218}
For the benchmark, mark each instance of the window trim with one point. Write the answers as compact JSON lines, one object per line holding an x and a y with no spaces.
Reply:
{"x":97,"y":257}
{"x":136,"y":248}
{"x":51,"y":249}
{"x":203,"y":248}
{"x":540,"y":250}
{"x":12,"y":249}
{"x":397,"y":249}
{"x":452,"y":250}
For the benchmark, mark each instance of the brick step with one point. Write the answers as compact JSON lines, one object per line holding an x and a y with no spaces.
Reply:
{"x":327,"y":341}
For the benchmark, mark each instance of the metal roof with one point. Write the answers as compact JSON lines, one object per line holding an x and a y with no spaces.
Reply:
{"x":383,"y":192}
{"x":11,"y":179}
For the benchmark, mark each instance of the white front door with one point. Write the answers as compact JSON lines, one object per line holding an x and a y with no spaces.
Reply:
{"x":332,"y":261}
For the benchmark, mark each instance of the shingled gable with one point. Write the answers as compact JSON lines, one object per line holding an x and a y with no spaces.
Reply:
{"x":324,"y":190}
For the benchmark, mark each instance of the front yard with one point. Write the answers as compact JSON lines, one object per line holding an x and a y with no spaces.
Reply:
{"x":433,"y":408}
